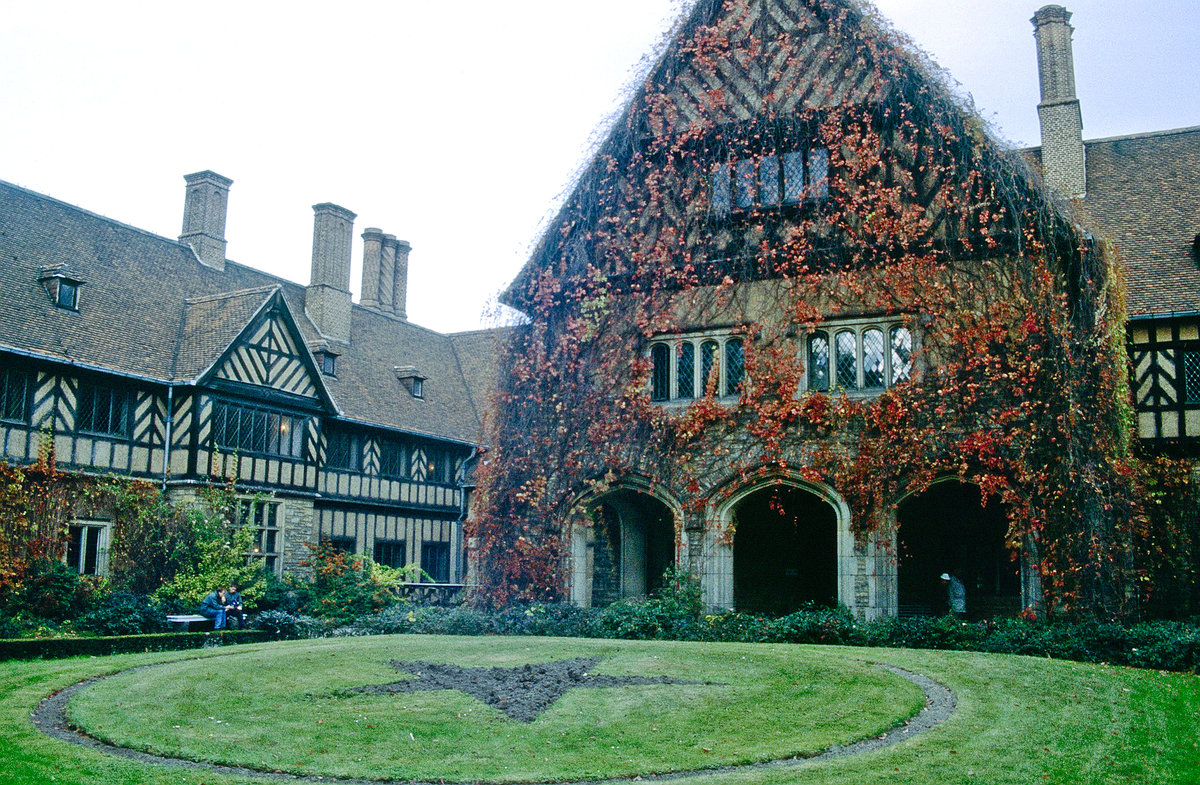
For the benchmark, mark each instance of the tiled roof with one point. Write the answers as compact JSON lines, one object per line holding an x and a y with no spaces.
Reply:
{"x":149,"y":308}
{"x":1143,"y":192}
{"x":210,"y":324}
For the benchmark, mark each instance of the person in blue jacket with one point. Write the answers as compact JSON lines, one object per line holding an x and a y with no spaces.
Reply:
{"x":213,"y":606}
{"x":233,"y":607}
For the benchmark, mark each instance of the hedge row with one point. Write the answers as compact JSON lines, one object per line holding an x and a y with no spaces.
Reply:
{"x":57,"y":648}
{"x":1158,"y":645}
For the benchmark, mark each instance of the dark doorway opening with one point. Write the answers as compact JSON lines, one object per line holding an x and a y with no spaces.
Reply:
{"x":947,"y":529}
{"x":635,"y":544}
{"x":784,"y":551}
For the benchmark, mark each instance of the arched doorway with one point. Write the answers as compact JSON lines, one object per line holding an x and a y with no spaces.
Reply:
{"x":784,"y":550}
{"x":634,"y":545}
{"x":946,"y":528}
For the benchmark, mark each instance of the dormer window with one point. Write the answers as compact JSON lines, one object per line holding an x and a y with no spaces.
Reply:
{"x":62,"y":287}
{"x":326,"y":359}
{"x":411,"y":378}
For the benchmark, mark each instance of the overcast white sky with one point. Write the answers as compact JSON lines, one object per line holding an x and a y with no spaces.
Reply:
{"x":455,"y":126}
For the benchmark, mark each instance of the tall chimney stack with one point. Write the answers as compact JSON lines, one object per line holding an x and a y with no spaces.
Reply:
{"x":371,"y":268}
{"x":400,"y":288}
{"x":205,"y":205}
{"x":327,"y":299}
{"x":1063,"y":165}
{"x":387,"y":273}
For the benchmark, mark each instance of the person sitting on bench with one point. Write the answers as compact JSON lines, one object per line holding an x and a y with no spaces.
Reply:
{"x":233,"y":606}
{"x":214,"y":607}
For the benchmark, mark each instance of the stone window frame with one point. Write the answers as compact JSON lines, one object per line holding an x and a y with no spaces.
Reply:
{"x":677,"y":348}
{"x":265,"y":514}
{"x":85,"y":554}
{"x":857,"y":327}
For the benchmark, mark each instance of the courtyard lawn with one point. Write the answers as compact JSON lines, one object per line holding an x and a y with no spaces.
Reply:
{"x":286,"y":706}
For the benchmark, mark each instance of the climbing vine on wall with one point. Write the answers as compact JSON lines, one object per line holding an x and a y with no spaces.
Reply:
{"x":918,"y":216}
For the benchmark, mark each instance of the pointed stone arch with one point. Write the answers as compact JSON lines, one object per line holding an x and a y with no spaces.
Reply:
{"x":945,"y":527}
{"x":718,"y":563}
{"x":622,"y":538}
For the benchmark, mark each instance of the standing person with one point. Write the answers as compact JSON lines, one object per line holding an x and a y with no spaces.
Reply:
{"x":956,"y":593}
{"x":233,"y":606}
{"x":213,"y":607}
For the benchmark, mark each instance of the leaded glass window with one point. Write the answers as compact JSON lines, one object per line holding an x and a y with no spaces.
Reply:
{"x":249,"y":429}
{"x":393,"y":459}
{"x":391,"y":553}
{"x":262,"y":516}
{"x":102,"y":409}
{"x":735,"y":366}
{"x":660,"y":374}
{"x":344,"y":450}
{"x":1191,"y":376}
{"x":793,"y":177}
{"x":746,"y":191}
{"x":722,"y":187}
{"x":14,"y":395}
{"x":685,"y":371}
{"x":435,"y":561}
{"x":901,"y":355}
{"x":818,"y":173}
{"x":768,"y":180}
{"x":873,"y":374}
{"x":709,"y":380}
{"x":818,"y":361}
{"x":846,"y":359}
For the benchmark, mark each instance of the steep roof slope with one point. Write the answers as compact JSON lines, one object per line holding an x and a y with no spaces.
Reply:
{"x":150,"y":309}
{"x":732,"y":63}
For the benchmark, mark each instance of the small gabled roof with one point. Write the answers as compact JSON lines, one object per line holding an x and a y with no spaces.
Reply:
{"x":211,"y":324}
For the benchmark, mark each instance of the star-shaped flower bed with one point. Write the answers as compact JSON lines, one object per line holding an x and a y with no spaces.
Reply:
{"x":522,"y":693}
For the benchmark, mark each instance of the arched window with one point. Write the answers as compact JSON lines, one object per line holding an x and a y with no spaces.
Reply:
{"x":660,"y":374}
{"x":735,"y":366}
{"x":818,"y":361}
{"x":709,"y":368}
{"x":901,"y":355}
{"x":685,"y":371}
{"x":846,"y":359}
{"x":873,"y":374}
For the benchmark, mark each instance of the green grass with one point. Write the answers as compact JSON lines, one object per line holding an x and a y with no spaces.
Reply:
{"x":1020,"y":720}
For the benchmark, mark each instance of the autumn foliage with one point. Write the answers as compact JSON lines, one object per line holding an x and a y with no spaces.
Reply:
{"x":1020,"y":381}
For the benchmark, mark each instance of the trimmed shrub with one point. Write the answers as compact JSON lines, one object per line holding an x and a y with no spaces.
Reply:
{"x":282,"y":624}
{"x":57,"y":648}
{"x":123,"y":613}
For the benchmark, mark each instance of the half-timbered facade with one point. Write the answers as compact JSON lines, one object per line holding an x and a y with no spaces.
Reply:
{"x":147,"y":357}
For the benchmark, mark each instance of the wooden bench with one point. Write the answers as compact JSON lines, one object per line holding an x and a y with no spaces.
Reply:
{"x":182,"y":622}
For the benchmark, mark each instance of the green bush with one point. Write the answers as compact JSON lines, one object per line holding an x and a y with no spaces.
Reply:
{"x":283,"y":624}
{"x":124,"y":613}
{"x":54,"y":591}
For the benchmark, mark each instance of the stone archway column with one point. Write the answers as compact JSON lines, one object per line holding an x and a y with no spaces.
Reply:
{"x":582,"y":552}
{"x":716,"y":568}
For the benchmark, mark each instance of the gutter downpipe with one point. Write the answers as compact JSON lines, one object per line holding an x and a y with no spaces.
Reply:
{"x":167,"y":442}
{"x":462,"y":509}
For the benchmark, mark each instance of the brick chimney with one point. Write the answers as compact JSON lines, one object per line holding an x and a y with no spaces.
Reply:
{"x":400,"y":279}
{"x":1063,"y":165}
{"x":327,"y":299}
{"x":205,"y":204}
{"x":371,"y":267}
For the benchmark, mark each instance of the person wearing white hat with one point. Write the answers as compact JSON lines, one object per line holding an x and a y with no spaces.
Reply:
{"x":957,"y":594}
